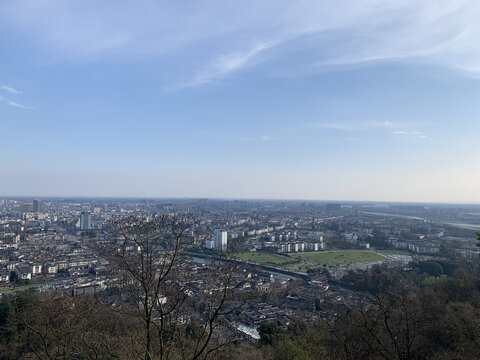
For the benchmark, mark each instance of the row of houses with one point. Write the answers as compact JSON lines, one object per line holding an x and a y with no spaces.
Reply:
{"x":77,"y":266}
{"x":298,"y":246}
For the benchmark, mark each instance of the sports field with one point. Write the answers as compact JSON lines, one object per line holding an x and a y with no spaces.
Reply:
{"x":341,"y":257}
{"x":262,"y":258}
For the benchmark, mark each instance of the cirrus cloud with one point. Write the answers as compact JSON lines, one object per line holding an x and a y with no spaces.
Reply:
{"x":10,"y":90}
{"x":410,"y":134}
{"x":215,"y":39}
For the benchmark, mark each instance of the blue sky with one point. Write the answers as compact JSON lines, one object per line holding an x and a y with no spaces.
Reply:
{"x":328,"y":100}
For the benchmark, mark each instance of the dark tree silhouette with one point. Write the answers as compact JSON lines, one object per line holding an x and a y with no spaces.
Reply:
{"x":152,"y":253}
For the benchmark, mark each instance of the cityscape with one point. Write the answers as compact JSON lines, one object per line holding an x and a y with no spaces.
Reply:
{"x":249,"y":180}
{"x":290,"y":256}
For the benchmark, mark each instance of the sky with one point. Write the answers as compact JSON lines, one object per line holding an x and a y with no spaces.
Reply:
{"x":375,"y":100}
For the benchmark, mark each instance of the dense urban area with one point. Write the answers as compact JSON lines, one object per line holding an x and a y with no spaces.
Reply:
{"x":235,"y":273}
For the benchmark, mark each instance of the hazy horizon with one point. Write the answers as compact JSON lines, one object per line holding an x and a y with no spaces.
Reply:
{"x":189,"y":198}
{"x":347,"y":100}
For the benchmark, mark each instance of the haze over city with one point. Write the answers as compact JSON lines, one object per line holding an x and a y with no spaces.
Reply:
{"x":345,"y":100}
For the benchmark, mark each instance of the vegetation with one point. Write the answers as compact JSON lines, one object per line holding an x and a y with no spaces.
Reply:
{"x":151,"y":252}
{"x":459,"y":232}
{"x":403,"y":321}
{"x":435,"y":267}
{"x":333,"y":258}
{"x":378,"y":240}
{"x":327,"y":258}
{"x":406,"y":318}
{"x":262,"y":257}
{"x":53,"y":326}
{"x":89,"y":233}
{"x":149,"y":315}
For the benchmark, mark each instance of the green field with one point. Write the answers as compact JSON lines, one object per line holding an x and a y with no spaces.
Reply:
{"x":333,"y":258}
{"x":309,"y":260}
{"x":262,"y":258}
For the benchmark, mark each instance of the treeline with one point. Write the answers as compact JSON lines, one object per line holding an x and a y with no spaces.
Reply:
{"x":54,"y":325}
{"x":420,"y":273}
{"x":404,"y":318}
{"x":407,"y":318}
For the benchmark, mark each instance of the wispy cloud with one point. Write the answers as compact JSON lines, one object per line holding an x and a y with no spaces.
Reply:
{"x":334,"y":126}
{"x":271,"y":138}
{"x":246,"y":138}
{"x":10,"y":90}
{"x":17,"y":105}
{"x":261,"y":138}
{"x":357,"y":126}
{"x":410,"y":134}
{"x":387,"y":127}
{"x":325,"y":33}
{"x":226,"y":64}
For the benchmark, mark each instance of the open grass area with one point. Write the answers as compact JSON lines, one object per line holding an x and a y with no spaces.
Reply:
{"x":333,"y":258}
{"x":262,"y":258}
{"x":314,"y":259}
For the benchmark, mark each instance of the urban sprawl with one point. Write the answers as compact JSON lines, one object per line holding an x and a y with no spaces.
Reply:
{"x":290,"y":256}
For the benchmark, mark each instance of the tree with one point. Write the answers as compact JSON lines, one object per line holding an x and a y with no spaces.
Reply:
{"x":379,"y":239}
{"x":269,"y":331}
{"x":391,"y":328}
{"x":152,"y":256}
{"x":52,"y":325}
{"x":430,"y":267}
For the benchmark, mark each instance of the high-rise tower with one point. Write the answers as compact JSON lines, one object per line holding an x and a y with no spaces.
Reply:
{"x":220,"y":239}
{"x":85,"y":220}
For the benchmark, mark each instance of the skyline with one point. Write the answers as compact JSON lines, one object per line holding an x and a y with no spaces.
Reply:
{"x":267,"y":200}
{"x":352,"y":100}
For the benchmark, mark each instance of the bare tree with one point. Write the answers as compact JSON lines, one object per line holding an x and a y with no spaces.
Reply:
{"x":55,"y":326}
{"x":392,"y":327}
{"x":179,"y":311}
